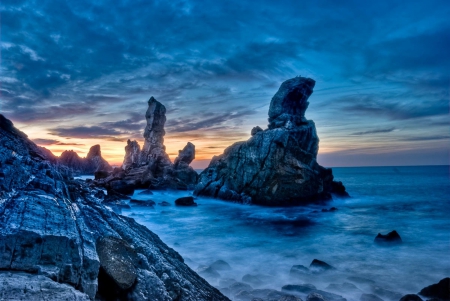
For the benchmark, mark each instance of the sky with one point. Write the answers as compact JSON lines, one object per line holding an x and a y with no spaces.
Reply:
{"x":79,"y":73}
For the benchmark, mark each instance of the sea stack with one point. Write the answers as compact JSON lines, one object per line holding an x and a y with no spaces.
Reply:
{"x":150,"y":167}
{"x":89,"y":165}
{"x":276,"y":166}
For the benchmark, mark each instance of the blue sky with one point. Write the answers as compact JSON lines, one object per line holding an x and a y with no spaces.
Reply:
{"x":77,"y":73}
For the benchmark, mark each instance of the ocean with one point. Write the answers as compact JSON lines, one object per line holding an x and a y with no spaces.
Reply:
{"x":267,"y":242}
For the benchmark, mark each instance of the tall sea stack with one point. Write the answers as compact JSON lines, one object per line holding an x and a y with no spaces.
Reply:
{"x":276,"y":166}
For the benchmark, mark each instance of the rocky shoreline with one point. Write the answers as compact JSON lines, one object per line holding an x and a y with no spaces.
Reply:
{"x":57,"y":238}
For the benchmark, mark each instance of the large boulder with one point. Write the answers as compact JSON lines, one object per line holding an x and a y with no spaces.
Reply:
{"x":276,"y":166}
{"x":63,"y":243}
{"x":391,"y":238}
{"x":440,"y":290}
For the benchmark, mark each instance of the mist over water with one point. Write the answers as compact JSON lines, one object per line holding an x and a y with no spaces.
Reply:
{"x":269,"y":241}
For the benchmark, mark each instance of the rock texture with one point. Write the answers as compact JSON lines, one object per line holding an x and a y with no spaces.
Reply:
{"x":92,"y":163}
{"x":150,"y":167}
{"x":276,"y":166}
{"x":57,"y":234}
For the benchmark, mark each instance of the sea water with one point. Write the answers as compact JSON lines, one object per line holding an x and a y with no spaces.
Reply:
{"x":256,"y":240}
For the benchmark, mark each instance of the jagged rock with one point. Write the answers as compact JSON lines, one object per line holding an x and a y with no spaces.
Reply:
{"x":440,"y":290}
{"x":151,"y":166}
{"x":276,"y":166}
{"x":53,"y":233}
{"x":256,"y":130}
{"x":92,"y":163}
{"x":185,"y":201}
{"x":186,"y":155}
{"x":391,"y":238}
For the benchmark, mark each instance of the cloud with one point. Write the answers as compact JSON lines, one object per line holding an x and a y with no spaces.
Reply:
{"x":86,"y":132}
{"x":377,"y":131}
{"x":41,"y":141}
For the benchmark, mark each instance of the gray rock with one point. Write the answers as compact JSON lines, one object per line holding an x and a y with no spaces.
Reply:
{"x":277,"y":166}
{"x":132,"y":154}
{"x":369,"y":297}
{"x":49,"y":225}
{"x":15,"y":286}
{"x":315,"y":297}
{"x":300,"y":288}
{"x":117,"y":258}
{"x":208,"y":272}
{"x":185,"y":156}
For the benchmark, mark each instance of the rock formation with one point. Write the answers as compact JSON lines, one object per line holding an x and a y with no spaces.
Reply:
{"x":57,"y":238}
{"x":150,"y":167}
{"x":89,"y":165}
{"x":276,"y":166}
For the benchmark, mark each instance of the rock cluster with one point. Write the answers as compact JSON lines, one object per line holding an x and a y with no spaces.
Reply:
{"x":89,"y":165}
{"x":150,"y":167}
{"x":276,"y":166}
{"x":58,"y":239}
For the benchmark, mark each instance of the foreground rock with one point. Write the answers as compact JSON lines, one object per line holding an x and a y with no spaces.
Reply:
{"x":185,"y":201}
{"x":276,"y":166}
{"x":54,"y":231}
{"x":150,"y":167}
{"x":440,"y":290}
{"x":93,"y":162}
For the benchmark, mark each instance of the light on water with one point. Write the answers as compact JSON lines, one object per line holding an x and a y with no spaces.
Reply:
{"x":269,"y":241}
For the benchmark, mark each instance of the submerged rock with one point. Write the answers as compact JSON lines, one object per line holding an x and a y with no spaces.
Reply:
{"x":60,"y":236}
{"x":299,"y":270}
{"x":276,"y":166}
{"x":370,"y":297}
{"x":221,"y":265}
{"x":391,"y":238}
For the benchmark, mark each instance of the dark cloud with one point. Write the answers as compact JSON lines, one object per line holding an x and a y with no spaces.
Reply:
{"x":86,"y":132}
{"x":214,"y":120}
{"x":426,"y":138}
{"x":377,"y":131}
{"x":41,"y":141}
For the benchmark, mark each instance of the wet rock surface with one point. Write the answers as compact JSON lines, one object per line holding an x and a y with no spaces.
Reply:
{"x":56,"y":231}
{"x":185,"y":201}
{"x":440,"y":290}
{"x":276,"y":166}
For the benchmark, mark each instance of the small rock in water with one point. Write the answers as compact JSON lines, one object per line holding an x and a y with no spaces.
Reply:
{"x":299,"y":270}
{"x":332,"y":209}
{"x":300,"y":288}
{"x":146,"y":192}
{"x":318,"y":266}
{"x":369,"y":297}
{"x":220,"y":265}
{"x":146,"y":203}
{"x":384,"y":293}
{"x":392,"y":238}
{"x":237,"y":287}
{"x":440,"y":290}
{"x":208,"y":272}
{"x":164,"y":203}
{"x":411,"y":297}
{"x":315,"y":297}
{"x":252,"y":279}
{"x":185,"y":201}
